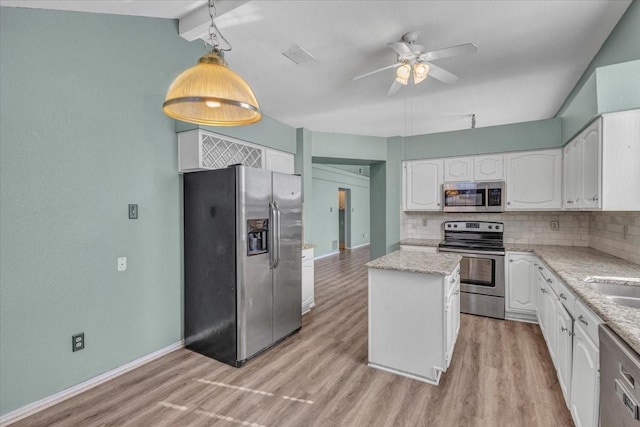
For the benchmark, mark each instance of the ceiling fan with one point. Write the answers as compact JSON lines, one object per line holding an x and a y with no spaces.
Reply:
{"x":414,"y":62}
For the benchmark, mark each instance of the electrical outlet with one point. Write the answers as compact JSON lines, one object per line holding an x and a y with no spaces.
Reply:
{"x":133,"y":211}
{"x":555,"y":225}
{"x":122,"y":263}
{"x":625,"y":232}
{"x":77,"y":342}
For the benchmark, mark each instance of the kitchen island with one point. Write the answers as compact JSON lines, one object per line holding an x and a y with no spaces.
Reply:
{"x":414,"y":313}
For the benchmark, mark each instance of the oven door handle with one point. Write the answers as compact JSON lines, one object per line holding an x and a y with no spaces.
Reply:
{"x":467,"y":251}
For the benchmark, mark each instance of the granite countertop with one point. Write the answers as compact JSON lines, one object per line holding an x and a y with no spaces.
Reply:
{"x":308,"y":246}
{"x":440,"y":264}
{"x":576,"y":266}
{"x":421,"y":242}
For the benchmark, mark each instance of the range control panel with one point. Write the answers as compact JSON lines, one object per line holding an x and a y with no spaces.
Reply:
{"x":483,"y":226}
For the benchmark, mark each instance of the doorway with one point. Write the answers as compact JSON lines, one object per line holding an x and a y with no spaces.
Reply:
{"x":344,"y":218}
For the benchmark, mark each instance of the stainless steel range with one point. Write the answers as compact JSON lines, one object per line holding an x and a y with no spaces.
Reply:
{"x":482,"y":282}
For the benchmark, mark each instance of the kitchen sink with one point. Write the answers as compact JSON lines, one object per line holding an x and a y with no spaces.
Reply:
{"x":627,"y":295}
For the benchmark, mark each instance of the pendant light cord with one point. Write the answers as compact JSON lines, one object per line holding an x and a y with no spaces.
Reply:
{"x":214,"y":31}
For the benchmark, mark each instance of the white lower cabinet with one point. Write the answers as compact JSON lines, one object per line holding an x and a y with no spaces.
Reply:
{"x":564,"y":349}
{"x":585,"y":386}
{"x":414,"y":320}
{"x":522,"y":285}
{"x":307,"y":280}
{"x":570,"y":329}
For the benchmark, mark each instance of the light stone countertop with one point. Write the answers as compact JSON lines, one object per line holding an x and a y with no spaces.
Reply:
{"x":574,"y":265}
{"x":440,"y":264}
{"x":421,"y":242}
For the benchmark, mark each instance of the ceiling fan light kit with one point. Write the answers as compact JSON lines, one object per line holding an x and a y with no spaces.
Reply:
{"x":210,"y":93}
{"x":414,"y":61}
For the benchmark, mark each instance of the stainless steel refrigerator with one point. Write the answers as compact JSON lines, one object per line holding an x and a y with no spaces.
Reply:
{"x":242,"y":261}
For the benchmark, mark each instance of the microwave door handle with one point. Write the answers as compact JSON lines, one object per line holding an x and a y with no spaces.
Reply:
{"x":486,"y":197}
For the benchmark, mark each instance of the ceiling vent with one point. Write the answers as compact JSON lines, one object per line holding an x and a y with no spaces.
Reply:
{"x":299,"y":55}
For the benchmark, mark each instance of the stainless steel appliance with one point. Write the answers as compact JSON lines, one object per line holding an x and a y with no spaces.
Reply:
{"x":619,"y":381}
{"x":242,"y":261}
{"x":473,"y":196}
{"x":482,"y":283}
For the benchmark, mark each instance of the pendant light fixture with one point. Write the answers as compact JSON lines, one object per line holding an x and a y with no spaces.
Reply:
{"x":210,"y":93}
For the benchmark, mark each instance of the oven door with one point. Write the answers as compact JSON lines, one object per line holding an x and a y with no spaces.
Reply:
{"x":482,"y":273}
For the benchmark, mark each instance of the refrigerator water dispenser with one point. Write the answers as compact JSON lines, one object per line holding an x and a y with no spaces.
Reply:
{"x":257,"y":236}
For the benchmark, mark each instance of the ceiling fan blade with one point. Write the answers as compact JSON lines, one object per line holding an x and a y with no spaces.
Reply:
{"x":400,"y":48}
{"x":441,"y":74}
{"x":377,"y":71}
{"x":395,"y":87}
{"x":461,"y":49}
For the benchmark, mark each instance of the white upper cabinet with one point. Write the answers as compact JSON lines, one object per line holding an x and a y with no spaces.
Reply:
{"x":422,"y":185}
{"x":488,"y":168}
{"x":534,"y":180}
{"x":202,"y":150}
{"x":582,"y":170}
{"x":279,"y":161}
{"x":458,"y":169}
{"x":600,"y":163}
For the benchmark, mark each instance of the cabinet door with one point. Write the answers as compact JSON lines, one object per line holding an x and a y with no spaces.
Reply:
{"x":572,"y":174}
{"x":564,"y":348}
{"x":534,"y":180}
{"x":585,"y":380}
{"x":488,"y":168}
{"x":522,"y":295}
{"x":458,"y":169}
{"x":279,"y":161}
{"x":591,"y":170}
{"x":423,"y":185}
{"x":450,"y":313}
{"x":307,"y":280}
{"x":541,"y":290}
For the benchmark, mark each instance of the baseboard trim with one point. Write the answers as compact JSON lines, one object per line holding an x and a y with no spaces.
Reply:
{"x":360,"y":246}
{"x":327,"y":255}
{"x":67,"y":393}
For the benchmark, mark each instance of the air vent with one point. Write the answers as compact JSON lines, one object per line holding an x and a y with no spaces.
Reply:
{"x":299,"y":55}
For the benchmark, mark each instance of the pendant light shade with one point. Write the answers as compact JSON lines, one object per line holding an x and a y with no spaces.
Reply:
{"x":211,"y":94}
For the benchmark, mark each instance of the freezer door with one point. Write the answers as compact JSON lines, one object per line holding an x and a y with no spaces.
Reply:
{"x":255,"y":290}
{"x":287,"y":275}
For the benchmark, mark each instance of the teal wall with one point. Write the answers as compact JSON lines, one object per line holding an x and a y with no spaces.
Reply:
{"x":610,"y":82}
{"x":303,"y":165}
{"x":494,"y":139}
{"x":326,"y":183}
{"x":268,"y":132}
{"x":342,"y":146}
{"x":82,"y":136}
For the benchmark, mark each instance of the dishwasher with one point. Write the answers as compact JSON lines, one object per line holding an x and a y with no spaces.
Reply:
{"x":619,"y":381}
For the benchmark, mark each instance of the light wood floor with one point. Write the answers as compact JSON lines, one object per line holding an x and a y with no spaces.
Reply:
{"x":501,"y":375}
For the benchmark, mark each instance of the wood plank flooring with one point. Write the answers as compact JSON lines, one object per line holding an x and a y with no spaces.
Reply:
{"x":501,"y":375}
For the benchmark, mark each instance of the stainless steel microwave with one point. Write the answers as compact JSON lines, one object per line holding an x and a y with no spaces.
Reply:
{"x":473,"y":196}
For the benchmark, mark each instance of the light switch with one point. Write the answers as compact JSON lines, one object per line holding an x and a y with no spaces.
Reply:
{"x":133,"y":211}
{"x":122,"y":263}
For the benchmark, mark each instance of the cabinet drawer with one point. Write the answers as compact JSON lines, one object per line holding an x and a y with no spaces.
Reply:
{"x":566,"y":297}
{"x":587,"y":320}
{"x":551,"y":278}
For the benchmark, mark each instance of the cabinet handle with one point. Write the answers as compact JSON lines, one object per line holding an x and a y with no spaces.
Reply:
{"x":540,"y":268}
{"x":569,"y":202}
{"x":627,"y":376}
{"x":563,"y":296}
{"x":453,"y":279}
{"x":594,"y":198}
{"x":563,"y":329}
{"x":543,"y":290}
{"x":581,"y":319}
{"x":510,"y":260}
{"x":508,"y":203}
{"x":438,"y":204}
{"x":457,"y":292}
{"x":549,"y":281}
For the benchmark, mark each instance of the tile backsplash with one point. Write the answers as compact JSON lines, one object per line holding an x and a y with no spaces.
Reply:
{"x":600,"y":230}
{"x":607,"y":233}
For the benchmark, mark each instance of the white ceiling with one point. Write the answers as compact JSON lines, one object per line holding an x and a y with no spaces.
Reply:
{"x":530,"y":56}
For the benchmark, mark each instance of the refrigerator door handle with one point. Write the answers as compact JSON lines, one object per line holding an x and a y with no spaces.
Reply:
{"x":277,"y":230}
{"x":272,"y":235}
